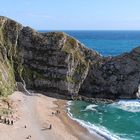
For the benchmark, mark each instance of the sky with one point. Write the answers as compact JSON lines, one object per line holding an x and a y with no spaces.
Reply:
{"x":74,"y":14}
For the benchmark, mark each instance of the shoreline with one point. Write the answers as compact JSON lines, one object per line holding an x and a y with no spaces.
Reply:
{"x":34,"y":115}
{"x":82,"y":133}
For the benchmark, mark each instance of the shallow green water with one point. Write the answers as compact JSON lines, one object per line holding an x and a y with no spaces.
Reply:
{"x":120,"y":120}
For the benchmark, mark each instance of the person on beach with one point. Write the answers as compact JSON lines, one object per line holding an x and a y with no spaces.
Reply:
{"x":5,"y":121}
{"x":57,"y":111}
{"x":12,"y":122}
{"x":8,"y":122}
{"x":50,"y":127}
{"x":28,"y":137}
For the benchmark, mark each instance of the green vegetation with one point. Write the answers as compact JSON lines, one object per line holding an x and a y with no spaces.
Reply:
{"x":71,"y":47}
{"x":29,"y":73}
{"x":7,"y":80}
{"x":5,"y":112}
{"x":11,"y":60}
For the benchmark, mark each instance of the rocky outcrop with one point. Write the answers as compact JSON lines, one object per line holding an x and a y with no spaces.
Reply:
{"x":9,"y":31}
{"x":59,"y":63}
{"x":114,"y":78}
{"x":52,"y":62}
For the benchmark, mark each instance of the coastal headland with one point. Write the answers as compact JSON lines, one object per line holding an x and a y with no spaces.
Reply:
{"x":59,"y":66}
{"x":58,"y":63}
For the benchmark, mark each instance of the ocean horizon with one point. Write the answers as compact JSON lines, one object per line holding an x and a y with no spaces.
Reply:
{"x":106,"y":42}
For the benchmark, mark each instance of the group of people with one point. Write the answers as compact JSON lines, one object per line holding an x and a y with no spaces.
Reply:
{"x":6,"y":121}
{"x":56,"y":113}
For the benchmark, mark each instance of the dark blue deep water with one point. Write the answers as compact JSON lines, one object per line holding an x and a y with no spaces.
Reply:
{"x":119,"y":120}
{"x":108,"y":42}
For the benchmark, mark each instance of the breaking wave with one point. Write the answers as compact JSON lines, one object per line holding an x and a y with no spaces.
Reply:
{"x":94,"y":129}
{"x":128,"y":105}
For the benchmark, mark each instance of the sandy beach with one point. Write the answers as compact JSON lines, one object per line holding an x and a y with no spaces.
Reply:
{"x":33,"y":116}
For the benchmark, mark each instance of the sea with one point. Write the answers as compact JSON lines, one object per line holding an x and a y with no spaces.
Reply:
{"x":115,"y":121}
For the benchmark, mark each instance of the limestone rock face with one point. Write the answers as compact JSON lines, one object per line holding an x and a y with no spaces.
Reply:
{"x":52,"y":62}
{"x":59,"y":63}
{"x":116,"y":77}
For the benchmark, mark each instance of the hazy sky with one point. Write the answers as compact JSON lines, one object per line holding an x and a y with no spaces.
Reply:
{"x":74,"y":14}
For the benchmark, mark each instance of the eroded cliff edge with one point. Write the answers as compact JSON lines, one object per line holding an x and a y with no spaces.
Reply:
{"x":59,"y":63}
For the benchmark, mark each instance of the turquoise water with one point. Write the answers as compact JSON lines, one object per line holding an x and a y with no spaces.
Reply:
{"x":119,"y":120}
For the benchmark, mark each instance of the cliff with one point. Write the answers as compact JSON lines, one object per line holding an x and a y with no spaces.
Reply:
{"x":9,"y":31}
{"x":59,"y":63}
{"x":115,"y":78}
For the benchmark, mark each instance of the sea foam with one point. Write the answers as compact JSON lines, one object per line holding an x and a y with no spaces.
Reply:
{"x":92,"y":128}
{"x":91,"y":107}
{"x":128,"y":105}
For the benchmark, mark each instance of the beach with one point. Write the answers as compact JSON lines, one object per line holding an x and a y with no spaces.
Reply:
{"x":34,"y":115}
